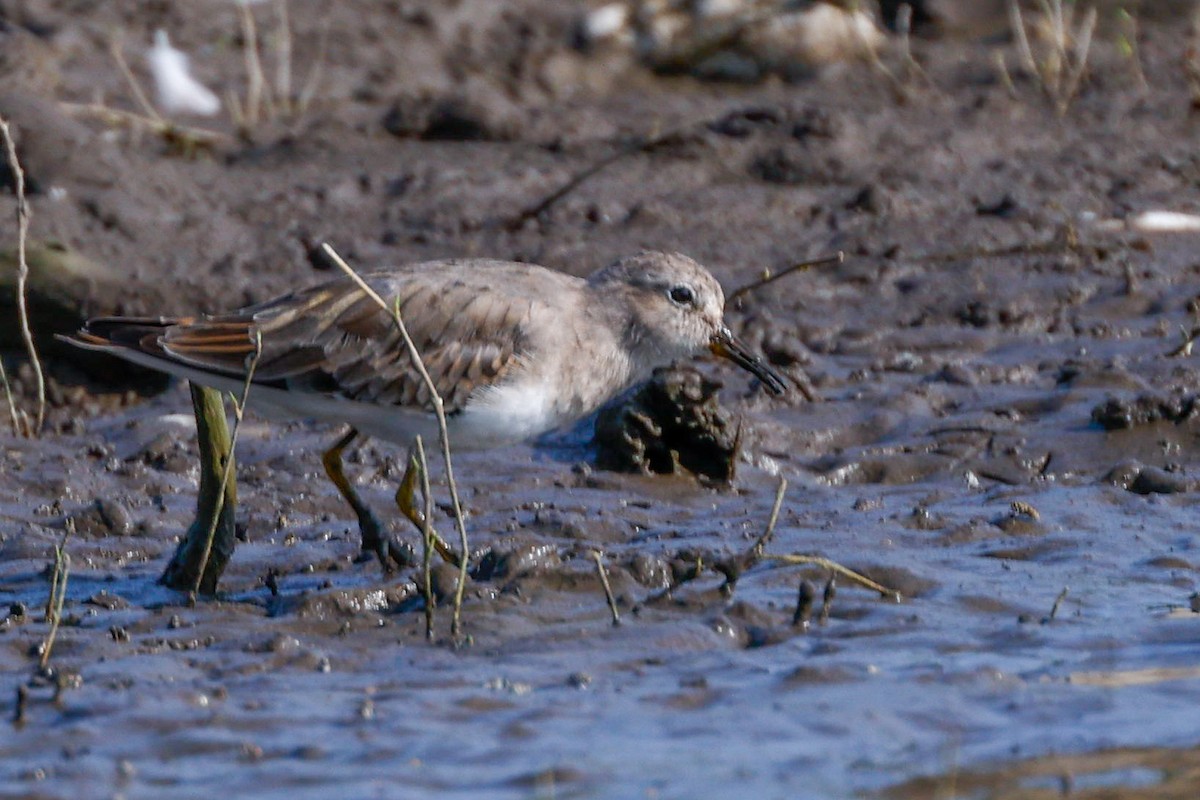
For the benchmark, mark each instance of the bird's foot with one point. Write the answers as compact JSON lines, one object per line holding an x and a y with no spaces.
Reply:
{"x":378,"y":543}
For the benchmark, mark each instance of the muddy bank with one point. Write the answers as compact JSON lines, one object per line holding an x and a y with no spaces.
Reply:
{"x":1004,"y":413}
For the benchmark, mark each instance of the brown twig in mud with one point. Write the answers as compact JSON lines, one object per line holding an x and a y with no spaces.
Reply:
{"x":575,"y":181}
{"x":769,"y":277}
{"x":439,"y":410}
{"x":796,"y":559}
{"x":802,"y":382}
{"x":18,"y":175}
{"x":239,"y":410}
{"x":1058,"y":601}
{"x":643,"y":144}
{"x":58,"y":595}
{"x":427,"y":534}
{"x":608,"y":592}
{"x":1066,"y":240}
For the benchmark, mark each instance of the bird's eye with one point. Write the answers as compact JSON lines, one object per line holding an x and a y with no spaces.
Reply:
{"x":682,"y":295}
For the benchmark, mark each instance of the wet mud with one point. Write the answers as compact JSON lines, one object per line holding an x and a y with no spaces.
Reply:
{"x":1003,"y":431}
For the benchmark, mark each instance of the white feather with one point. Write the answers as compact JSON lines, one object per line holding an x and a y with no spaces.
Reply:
{"x":178,"y":91}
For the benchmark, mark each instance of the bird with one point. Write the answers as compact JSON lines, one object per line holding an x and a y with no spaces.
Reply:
{"x":514,"y":350}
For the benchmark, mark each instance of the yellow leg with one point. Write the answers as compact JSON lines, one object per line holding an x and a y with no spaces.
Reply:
{"x":374,"y":539}
{"x":406,"y":497}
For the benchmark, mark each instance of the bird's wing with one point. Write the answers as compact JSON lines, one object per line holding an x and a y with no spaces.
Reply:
{"x":334,"y":339}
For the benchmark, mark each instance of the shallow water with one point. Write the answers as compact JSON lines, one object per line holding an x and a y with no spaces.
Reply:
{"x":331,"y":688}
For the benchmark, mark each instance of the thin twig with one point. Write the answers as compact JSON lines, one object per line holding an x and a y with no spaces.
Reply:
{"x":239,"y":408}
{"x":18,"y":174}
{"x":1017,"y":23}
{"x":759,"y":545}
{"x":439,"y":410}
{"x":1058,"y":601}
{"x":313,"y":83}
{"x":255,"y":82}
{"x":769,"y":277}
{"x":1083,"y":43}
{"x":537,"y":209}
{"x":608,"y":592}
{"x":1005,"y":77}
{"x":198,"y":137}
{"x":796,"y":559}
{"x":115,"y":48}
{"x":904,"y":17}
{"x":1134,"y":49}
{"x":12,"y":405}
{"x":427,"y":534}
{"x":58,"y":595}
{"x":283,"y":59}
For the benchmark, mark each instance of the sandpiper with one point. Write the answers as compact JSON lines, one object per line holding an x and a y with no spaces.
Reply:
{"x":514,"y":350}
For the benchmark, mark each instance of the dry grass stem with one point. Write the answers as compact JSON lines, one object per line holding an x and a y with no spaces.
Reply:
{"x":12,"y":406}
{"x":427,"y":534}
{"x":1060,"y":66}
{"x":313,"y":83}
{"x":239,"y":409}
{"x":761,"y":544}
{"x":904,"y":16}
{"x":283,"y":58}
{"x":18,"y":175}
{"x":1005,"y":76}
{"x":258,"y":98}
{"x":795,"y":559}
{"x":871,"y":54}
{"x":189,"y":138}
{"x":608,"y":592}
{"x":439,"y":411}
{"x":148,"y":108}
{"x":269,"y":100}
{"x":58,"y":595}
{"x":1128,"y":41}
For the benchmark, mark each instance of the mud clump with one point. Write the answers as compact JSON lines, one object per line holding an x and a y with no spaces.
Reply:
{"x":1146,"y":480}
{"x":1114,"y":414}
{"x":672,"y":425}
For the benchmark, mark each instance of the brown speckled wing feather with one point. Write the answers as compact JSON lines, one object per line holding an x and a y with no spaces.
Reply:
{"x":334,"y":339}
